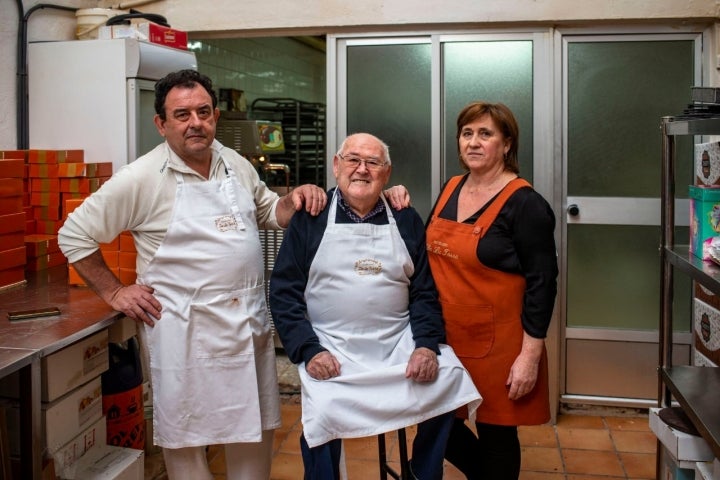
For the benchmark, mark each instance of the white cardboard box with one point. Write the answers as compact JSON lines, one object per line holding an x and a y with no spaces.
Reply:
{"x":66,"y":369}
{"x":111,"y":463}
{"x":63,"y":419}
{"x":92,"y":438}
{"x":74,"y":365}
{"x":122,"y":330}
{"x":704,"y":471}
{"x":68,"y":416}
{"x":681,"y":446}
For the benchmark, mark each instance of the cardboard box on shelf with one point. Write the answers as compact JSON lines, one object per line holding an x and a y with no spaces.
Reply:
{"x":707,"y":163}
{"x":74,"y":365}
{"x":63,"y":419}
{"x":12,"y":222}
{"x":681,"y":446}
{"x":671,"y":469}
{"x":704,"y":471}
{"x":111,"y":463}
{"x":122,"y":330}
{"x":42,"y":170}
{"x":706,"y":325}
{"x":69,"y":415}
{"x":147,"y":31}
{"x":704,"y":218}
{"x":67,"y":368}
{"x":81,"y":185}
{"x":89,"y":440}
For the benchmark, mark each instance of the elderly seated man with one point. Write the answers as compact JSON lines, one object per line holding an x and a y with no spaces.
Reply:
{"x":355,"y":305}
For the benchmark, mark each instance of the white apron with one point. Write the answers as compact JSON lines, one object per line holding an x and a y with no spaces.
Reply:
{"x":212,"y":358}
{"x":357,"y":300}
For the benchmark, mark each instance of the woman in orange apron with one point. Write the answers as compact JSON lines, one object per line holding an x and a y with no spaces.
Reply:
{"x":492,"y":253}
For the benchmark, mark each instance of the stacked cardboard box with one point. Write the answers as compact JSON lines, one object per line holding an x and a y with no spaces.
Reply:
{"x":45,"y":198}
{"x":71,"y":408}
{"x":119,"y":254}
{"x":12,"y":218}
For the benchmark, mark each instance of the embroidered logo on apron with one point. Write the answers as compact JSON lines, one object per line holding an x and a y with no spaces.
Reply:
{"x":226,"y":223}
{"x":368,"y":266}
{"x":441,"y":248}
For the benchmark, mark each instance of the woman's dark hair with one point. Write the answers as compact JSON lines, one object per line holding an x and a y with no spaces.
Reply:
{"x":183,"y":79}
{"x":503,"y":117}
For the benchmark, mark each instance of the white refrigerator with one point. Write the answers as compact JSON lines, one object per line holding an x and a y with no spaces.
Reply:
{"x":98,"y":95}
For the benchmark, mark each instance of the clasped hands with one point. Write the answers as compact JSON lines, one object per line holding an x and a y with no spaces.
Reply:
{"x":422,"y":366}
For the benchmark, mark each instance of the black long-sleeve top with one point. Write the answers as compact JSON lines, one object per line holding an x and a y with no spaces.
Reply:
{"x":290,"y":276}
{"x":520,"y":240}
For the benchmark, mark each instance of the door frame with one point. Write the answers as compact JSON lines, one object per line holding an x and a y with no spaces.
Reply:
{"x":646,"y":208}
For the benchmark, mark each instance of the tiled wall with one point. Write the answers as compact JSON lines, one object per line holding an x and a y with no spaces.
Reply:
{"x":264,"y":67}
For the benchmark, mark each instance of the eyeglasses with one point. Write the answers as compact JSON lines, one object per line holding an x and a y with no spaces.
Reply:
{"x":354,"y":162}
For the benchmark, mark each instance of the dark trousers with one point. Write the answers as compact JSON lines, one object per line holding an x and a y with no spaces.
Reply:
{"x":428,"y":450}
{"x":493,"y":454}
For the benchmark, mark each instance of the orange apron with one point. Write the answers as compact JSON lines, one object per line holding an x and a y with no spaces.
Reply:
{"x":482,"y":308}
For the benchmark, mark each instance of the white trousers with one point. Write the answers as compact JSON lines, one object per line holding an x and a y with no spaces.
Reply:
{"x":242,"y":460}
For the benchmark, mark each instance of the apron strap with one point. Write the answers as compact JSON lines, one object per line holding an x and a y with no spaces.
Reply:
{"x":490,"y":214}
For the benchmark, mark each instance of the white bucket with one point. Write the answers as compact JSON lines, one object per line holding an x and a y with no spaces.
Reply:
{"x":89,"y":20}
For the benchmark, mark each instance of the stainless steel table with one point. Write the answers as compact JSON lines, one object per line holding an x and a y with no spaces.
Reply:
{"x":23,"y":343}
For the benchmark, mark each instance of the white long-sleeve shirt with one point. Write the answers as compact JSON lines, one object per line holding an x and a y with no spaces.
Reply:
{"x":140,"y":197}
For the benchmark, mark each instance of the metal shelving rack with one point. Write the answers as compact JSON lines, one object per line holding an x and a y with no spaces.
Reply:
{"x":303,"y":126}
{"x":696,"y":389}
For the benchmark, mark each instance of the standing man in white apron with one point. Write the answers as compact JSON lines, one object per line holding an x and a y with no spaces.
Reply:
{"x":194,"y":208}
{"x":355,"y":305}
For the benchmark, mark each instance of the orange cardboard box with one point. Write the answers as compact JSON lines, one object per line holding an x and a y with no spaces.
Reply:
{"x":81,"y":185}
{"x":40,"y":244}
{"x":55,"y":156}
{"x":48,"y":227}
{"x":111,"y":258}
{"x":70,"y":205}
{"x":10,"y":240}
{"x":44,"y":184}
{"x":12,"y":223}
{"x":42,"y":170}
{"x":11,"y":205}
{"x":127,"y":276}
{"x":12,"y":257}
{"x":45,"y":199}
{"x":11,"y":276}
{"x":127,"y":244}
{"x":113,"y":246}
{"x":47,"y":213}
{"x":11,"y":187}
{"x":74,"y":277}
{"x":12,"y":168}
{"x":127,"y":259}
{"x":43,"y":262}
{"x":13,"y":154}
{"x":30,"y":227}
{"x":102,"y":169}
{"x":65,"y":196}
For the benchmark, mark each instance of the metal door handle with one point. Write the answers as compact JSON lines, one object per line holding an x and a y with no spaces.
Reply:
{"x":573,"y":210}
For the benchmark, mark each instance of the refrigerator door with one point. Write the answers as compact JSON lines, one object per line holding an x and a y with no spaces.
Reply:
{"x":90,"y":95}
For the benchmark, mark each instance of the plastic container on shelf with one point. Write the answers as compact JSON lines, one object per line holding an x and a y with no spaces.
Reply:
{"x":89,"y":21}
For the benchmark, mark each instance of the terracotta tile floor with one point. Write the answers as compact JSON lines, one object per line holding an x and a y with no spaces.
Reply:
{"x":578,"y":447}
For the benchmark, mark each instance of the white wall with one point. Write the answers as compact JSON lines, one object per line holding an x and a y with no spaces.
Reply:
{"x":290,"y":17}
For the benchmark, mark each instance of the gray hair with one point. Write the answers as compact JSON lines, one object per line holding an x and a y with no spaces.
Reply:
{"x":385,"y":148}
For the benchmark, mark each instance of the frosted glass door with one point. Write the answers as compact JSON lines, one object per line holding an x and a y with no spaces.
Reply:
{"x":616,"y":91}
